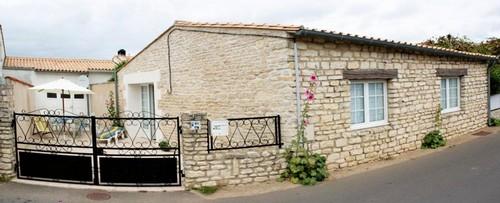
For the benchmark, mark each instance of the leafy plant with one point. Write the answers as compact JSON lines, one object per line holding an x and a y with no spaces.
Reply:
{"x":118,"y":67}
{"x":303,"y":166}
{"x":4,"y":178}
{"x":434,"y":139}
{"x":207,"y":190}
{"x":112,"y":112}
{"x":495,"y":121}
{"x":164,"y":145}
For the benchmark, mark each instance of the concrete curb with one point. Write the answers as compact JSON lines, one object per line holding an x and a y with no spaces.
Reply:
{"x":96,"y":187}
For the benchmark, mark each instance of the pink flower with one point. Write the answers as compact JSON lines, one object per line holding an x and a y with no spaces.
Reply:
{"x":310,"y":97}
{"x":313,"y":78}
{"x":306,"y":122}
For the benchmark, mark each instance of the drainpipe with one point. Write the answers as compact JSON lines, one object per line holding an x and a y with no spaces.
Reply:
{"x":297,"y":82}
{"x":117,"y":103}
{"x":491,"y":64}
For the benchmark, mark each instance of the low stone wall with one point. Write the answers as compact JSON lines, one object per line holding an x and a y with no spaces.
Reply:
{"x":7,"y":155}
{"x":224,"y":167}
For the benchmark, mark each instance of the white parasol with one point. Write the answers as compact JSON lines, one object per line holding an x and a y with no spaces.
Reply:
{"x":62,"y":86}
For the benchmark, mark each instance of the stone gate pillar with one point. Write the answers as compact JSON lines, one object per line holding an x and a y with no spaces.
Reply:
{"x":194,"y":149}
{"x":7,"y":152}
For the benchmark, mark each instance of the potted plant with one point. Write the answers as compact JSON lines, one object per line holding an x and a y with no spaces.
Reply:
{"x":164,"y":145}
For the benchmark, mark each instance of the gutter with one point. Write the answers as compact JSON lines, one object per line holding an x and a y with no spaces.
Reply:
{"x":385,"y":43}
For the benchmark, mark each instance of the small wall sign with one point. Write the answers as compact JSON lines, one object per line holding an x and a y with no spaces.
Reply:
{"x":195,"y":125}
{"x":219,"y":128}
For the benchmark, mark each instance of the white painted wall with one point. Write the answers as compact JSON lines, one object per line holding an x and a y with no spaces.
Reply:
{"x":495,"y":102}
{"x":133,"y":82}
{"x":77,"y":106}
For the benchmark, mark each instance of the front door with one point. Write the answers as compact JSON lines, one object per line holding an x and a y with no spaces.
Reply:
{"x":148,"y":108}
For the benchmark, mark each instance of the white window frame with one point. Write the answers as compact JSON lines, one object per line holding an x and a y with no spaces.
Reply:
{"x":453,"y":109}
{"x":367,"y":123}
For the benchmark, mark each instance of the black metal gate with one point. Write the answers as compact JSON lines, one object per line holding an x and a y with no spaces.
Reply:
{"x":128,"y":151}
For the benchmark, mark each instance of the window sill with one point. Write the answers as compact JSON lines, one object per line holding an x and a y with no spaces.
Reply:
{"x":445,"y":111}
{"x":368,"y":125}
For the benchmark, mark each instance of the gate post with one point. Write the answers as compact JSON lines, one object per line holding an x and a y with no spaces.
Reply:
{"x":194,"y":148}
{"x":7,"y":154}
{"x":94,"y":150}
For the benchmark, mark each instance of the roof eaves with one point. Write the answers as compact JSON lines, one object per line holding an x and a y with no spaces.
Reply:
{"x":391,"y":44}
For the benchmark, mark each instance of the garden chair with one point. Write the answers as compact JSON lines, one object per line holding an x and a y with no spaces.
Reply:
{"x":41,"y":126}
{"x":113,"y":134}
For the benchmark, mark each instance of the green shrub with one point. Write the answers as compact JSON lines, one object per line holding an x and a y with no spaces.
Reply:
{"x":495,"y":122}
{"x":433,"y":140}
{"x":305,"y":169}
{"x":164,"y":145}
{"x":4,"y":178}
{"x":207,"y":190}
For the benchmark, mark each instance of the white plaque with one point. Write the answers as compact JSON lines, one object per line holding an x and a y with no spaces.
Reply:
{"x":219,"y":128}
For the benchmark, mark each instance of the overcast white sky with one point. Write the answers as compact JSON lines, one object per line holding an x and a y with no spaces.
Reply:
{"x":97,"y":28}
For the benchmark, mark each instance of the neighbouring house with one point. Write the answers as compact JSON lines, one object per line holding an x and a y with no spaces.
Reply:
{"x":375,"y":99}
{"x":2,"y":52}
{"x":35,"y":71}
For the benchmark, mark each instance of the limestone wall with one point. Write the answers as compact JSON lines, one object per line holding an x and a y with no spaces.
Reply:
{"x":241,"y":73}
{"x":224,"y":167}
{"x":413,"y":98}
{"x":236,"y":74}
{"x":7,"y":155}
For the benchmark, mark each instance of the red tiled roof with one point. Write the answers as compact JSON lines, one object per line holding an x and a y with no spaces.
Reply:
{"x":181,"y":23}
{"x":59,"y":64}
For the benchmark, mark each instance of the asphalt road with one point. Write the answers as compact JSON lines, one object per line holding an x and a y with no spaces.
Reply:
{"x":469,"y":172}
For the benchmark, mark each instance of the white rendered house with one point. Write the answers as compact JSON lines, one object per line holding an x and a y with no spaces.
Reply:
{"x":36,"y":71}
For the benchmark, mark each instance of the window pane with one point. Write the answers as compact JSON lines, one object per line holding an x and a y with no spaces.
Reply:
{"x":376,"y":101}
{"x":357,"y":103}
{"x":66,"y":96}
{"x":51,"y":95}
{"x":78,"y":96}
{"x":453,"y":92}
{"x":443,"y":94}
{"x":144,"y":99}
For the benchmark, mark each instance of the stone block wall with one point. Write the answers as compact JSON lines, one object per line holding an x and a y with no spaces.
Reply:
{"x":7,"y":155}
{"x":413,"y":98}
{"x":244,"y":73}
{"x":241,"y":73}
{"x":224,"y":167}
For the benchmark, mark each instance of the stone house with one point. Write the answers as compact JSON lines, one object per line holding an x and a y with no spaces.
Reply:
{"x":375,"y":98}
{"x":2,"y":51}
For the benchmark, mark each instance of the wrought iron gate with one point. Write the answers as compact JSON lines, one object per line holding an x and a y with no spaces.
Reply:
{"x":128,"y":151}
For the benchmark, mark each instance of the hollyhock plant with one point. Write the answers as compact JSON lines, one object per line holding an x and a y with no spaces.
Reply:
{"x":313,"y":78}
{"x":304,"y":166}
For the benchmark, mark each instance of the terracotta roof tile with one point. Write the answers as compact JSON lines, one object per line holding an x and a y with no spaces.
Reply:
{"x":181,"y":23}
{"x":59,"y":64}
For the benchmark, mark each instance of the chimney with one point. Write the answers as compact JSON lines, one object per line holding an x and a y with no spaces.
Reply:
{"x":120,"y":57}
{"x":122,"y":52}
